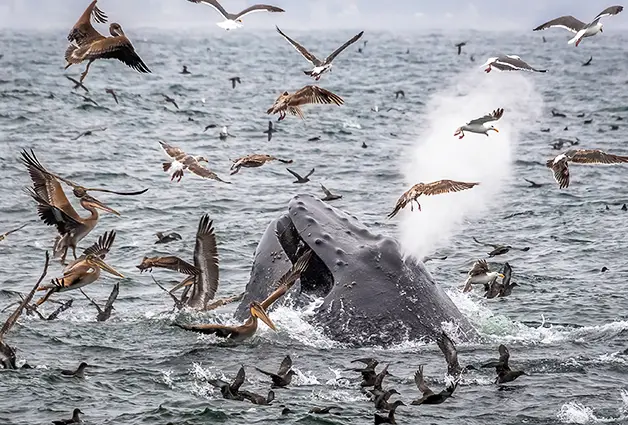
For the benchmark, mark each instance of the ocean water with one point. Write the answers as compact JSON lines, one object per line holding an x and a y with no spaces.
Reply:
{"x":565,"y":325}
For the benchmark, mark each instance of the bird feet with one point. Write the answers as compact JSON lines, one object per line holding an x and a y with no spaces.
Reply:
{"x":487,"y":70}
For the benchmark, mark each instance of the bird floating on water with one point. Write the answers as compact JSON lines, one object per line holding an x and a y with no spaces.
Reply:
{"x":479,"y":126}
{"x":182,"y":161}
{"x":75,"y":419}
{"x":320,"y":66}
{"x":254,"y":161}
{"x":560,"y":164}
{"x":434,"y":188}
{"x":79,"y":372}
{"x":504,"y":373}
{"x":581,"y":29}
{"x":290,"y":103}
{"x":185,"y":71}
{"x":224,"y":133}
{"x":480,"y":274}
{"x":234,"y":20}
{"x":509,"y":63}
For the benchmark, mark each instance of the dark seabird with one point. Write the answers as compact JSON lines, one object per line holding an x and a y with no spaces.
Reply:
{"x":460,"y":46}
{"x":55,"y":314}
{"x":87,"y":99}
{"x":624,"y":207}
{"x":480,"y":274}
{"x":509,"y":63}
{"x":112,"y":93}
{"x":328,"y":195}
{"x":544,"y":40}
{"x":560,"y":142}
{"x":75,"y":419}
{"x":270,"y":130}
{"x":614,"y":127}
{"x":290,"y":103}
{"x":185,"y":71}
{"x":89,"y":132}
{"x":479,"y":126}
{"x":428,"y":189}
{"x":314,"y":139}
{"x":454,"y":370}
{"x":430,"y":258}
{"x":545,"y":130}
{"x":533,"y":184}
{"x":87,"y":44}
{"x":167,"y":238}
{"x":503,"y":289}
{"x":381,"y":402}
{"x":587,"y":63}
{"x":230,"y":391}
{"x":170,"y":100}
{"x":400,"y":93}
{"x":560,"y":167}
{"x":364,"y":145}
{"x":504,"y":373}
{"x":580,"y":115}
{"x":300,"y":179}
{"x":77,"y":84}
{"x":254,"y":161}
{"x":368,"y":372}
{"x":259,"y":399}
{"x":4,"y":235}
{"x":589,"y":121}
{"x":500,"y":249}
{"x":182,"y":161}
{"x":286,"y":411}
{"x":558,"y":114}
{"x":235,"y":81}
{"x":578,"y":27}
{"x":105,"y":313}
{"x":234,"y":20}
{"x":390,"y":419}
{"x":284,"y":375}
{"x":78,"y":373}
{"x":320,"y":66}
{"x":324,"y":410}
{"x":604,"y":269}
{"x":209,"y":126}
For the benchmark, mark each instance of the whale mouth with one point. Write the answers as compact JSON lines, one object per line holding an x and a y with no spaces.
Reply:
{"x":317,"y":280}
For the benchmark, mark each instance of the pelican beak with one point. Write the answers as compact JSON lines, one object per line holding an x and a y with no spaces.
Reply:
{"x":106,"y":267}
{"x":97,"y":204}
{"x":495,"y":130}
{"x":258,"y":311}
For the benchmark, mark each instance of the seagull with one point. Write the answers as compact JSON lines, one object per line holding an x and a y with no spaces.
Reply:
{"x":478,"y":125}
{"x":270,"y":130}
{"x":587,"y":63}
{"x":434,"y":188}
{"x":77,"y":84}
{"x":560,"y":167}
{"x":89,"y":132}
{"x":320,"y":67}
{"x":300,"y":179}
{"x":328,"y":195}
{"x":460,"y":46}
{"x":185,"y":71}
{"x":113,"y":93}
{"x":182,"y":161}
{"x":502,"y":289}
{"x":235,"y":81}
{"x":4,"y":235}
{"x":170,"y":100}
{"x":578,"y":27}
{"x":480,"y":273}
{"x":499,"y":249}
{"x":291,"y":103}
{"x":234,"y":20}
{"x":509,"y":63}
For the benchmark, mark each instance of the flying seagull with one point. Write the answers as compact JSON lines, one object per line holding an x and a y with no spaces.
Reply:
{"x":234,"y":20}
{"x":478,"y":125}
{"x":560,"y":164}
{"x":291,"y":103}
{"x":578,"y":27}
{"x":460,"y":46}
{"x":481,"y":274}
{"x":509,"y":63}
{"x":320,"y":67}
{"x":434,"y":188}
{"x":182,"y":161}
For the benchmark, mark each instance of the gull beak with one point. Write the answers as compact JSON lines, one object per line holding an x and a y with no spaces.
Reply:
{"x":258,"y":311}
{"x":501,"y":275}
{"x":495,"y":130}
{"x":97,"y":204}
{"x":106,"y":267}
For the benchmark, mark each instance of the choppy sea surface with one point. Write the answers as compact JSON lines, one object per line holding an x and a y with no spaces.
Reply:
{"x":565,"y":325}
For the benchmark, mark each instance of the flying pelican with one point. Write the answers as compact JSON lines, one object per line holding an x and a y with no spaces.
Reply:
{"x":509,"y":63}
{"x":560,"y":164}
{"x":182,"y":161}
{"x":291,"y":103}
{"x":88,"y":44}
{"x":320,"y":66}
{"x":85,"y":270}
{"x":254,"y":161}
{"x":434,"y":188}
{"x":578,"y":27}
{"x":234,"y":20}
{"x":478,"y":125}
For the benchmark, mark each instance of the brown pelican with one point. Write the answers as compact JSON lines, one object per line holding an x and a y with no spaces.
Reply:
{"x":291,"y":103}
{"x":234,"y":20}
{"x":75,"y":419}
{"x":284,"y":375}
{"x":578,"y":27}
{"x":320,"y":66}
{"x":104,"y":313}
{"x":509,"y":63}
{"x":479,"y":126}
{"x":504,"y":373}
{"x":560,"y":166}
{"x":255,"y":160}
{"x":88,"y":44}
{"x":4,"y":235}
{"x":182,"y":161}
{"x":434,"y":188}
{"x":480,"y":273}
{"x":7,"y":353}
{"x":85,"y":270}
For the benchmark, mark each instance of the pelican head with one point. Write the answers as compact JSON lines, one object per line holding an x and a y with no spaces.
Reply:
{"x":258,"y":311}
{"x":116,"y":30}
{"x":95,"y":261}
{"x":89,"y":202}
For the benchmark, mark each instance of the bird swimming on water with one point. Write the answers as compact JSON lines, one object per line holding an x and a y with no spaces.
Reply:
{"x":290,"y":103}
{"x":182,"y":161}
{"x":480,"y":274}
{"x":560,"y":164}
{"x":75,"y":419}
{"x":504,"y":373}
{"x":79,"y":372}
{"x":234,"y":20}
{"x":428,"y":189}
{"x":479,"y":126}
{"x":185,"y":71}
{"x":579,"y":28}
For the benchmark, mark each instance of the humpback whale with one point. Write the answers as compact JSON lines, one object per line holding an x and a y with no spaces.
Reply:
{"x":371,"y":293}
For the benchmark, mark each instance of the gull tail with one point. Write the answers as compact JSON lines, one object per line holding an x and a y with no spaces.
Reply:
{"x":308,"y":73}
{"x":576,"y":39}
{"x":167,"y":166}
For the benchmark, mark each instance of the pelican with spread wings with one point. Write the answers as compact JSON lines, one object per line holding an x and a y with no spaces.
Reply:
{"x":320,"y":66}
{"x":234,"y":20}
{"x":434,"y":188}
{"x":291,"y":102}
{"x":481,"y":125}
{"x":579,"y":28}
{"x":560,"y":164}
{"x":181,"y":161}
{"x":87,"y":44}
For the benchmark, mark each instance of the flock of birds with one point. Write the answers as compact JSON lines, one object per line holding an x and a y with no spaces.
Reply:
{"x":201,"y":279}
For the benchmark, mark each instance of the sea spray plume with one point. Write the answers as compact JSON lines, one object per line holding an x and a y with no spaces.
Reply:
{"x":486,"y":160}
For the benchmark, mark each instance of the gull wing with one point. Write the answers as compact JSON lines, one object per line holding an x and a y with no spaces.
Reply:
{"x":304,"y":52}
{"x":258,"y":8}
{"x":514,"y":63}
{"x":594,"y":156}
{"x":480,"y":267}
{"x":341,"y":48}
{"x":609,"y":11}
{"x":446,"y":186}
{"x":215,"y":5}
{"x":493,"y":116}
{"x":172,"y":151}
{"x":567,"y":22}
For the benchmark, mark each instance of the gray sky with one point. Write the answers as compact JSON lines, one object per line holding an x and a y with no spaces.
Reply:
{"x":312,"y":14}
